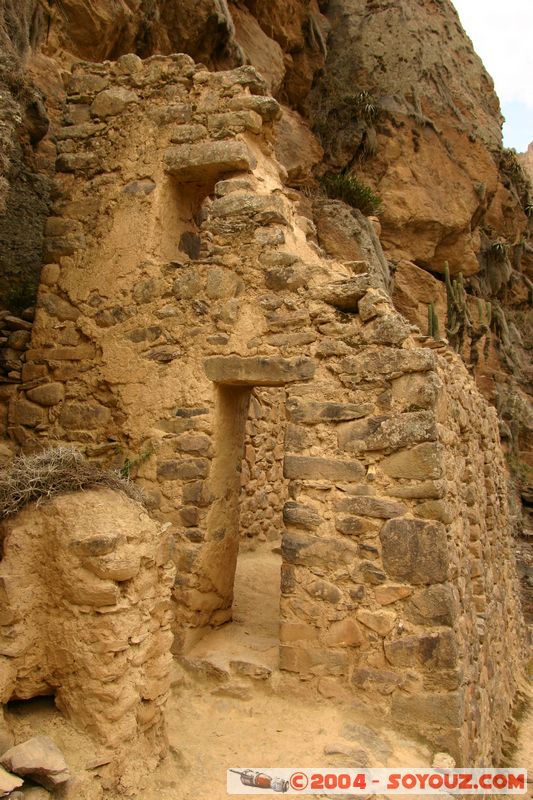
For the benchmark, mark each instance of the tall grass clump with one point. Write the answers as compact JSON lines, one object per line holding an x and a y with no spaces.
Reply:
{"x":351,"y":191}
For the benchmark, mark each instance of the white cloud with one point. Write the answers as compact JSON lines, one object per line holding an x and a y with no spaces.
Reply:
{"x":502,"y":33}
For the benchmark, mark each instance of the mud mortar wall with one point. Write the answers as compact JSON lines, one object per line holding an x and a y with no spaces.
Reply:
{"x":85,"y":583}
{"x":264,"y":490}
{"x":489,"y":628}
{"x":182,"y":276}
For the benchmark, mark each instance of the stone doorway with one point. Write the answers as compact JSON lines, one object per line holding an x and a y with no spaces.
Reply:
{"x":246,"y":522}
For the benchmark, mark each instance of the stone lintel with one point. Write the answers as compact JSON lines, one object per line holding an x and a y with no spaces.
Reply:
{"x":207,"y":160}
{"x":258,"y":370}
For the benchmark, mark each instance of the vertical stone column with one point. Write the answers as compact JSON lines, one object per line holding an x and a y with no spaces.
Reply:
{"x":204,"y":590}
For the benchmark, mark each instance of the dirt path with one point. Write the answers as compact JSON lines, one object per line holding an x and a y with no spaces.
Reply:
{"x":266,"y":730}
{"x":231,"y":708}
{"x":523,"y":756}
{"x":253,"y":636}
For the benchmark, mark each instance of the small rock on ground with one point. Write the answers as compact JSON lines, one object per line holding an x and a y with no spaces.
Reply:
{"x":8,"y":782}
{"x":346,"y":755}
{"x":40,"y":759}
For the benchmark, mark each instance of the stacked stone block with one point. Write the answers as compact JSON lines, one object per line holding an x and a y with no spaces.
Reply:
{"x":15,"y":336}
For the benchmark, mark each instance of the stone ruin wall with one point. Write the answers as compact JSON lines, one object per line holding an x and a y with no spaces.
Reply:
{"x":181,"y":275}
{"x":489,"y":632}
{"x":264,"y":490}
{"x":15,"y":338}
{"x":85,"y":583}
{"x":399,"y":596}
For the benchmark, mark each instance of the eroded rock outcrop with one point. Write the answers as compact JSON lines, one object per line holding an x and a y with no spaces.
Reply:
{"x":527,"y":160}
{"x":38,"y":759}
{"x":24,"y":177}
{"x":405,"y":102}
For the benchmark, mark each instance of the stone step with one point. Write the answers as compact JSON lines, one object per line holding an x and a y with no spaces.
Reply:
{"x":212,"y":667}
{"x":223,"y":667}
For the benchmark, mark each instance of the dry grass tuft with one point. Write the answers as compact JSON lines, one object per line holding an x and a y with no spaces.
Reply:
{"x":55,"y":471}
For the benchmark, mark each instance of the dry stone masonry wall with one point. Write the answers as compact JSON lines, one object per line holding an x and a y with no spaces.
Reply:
{"x":181,"y":277}
{"x":264,"y":491}
{"x":15,"y":337}
{"x":85,"y":583}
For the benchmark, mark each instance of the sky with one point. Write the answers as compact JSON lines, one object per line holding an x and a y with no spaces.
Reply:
{"x":502,"y":33}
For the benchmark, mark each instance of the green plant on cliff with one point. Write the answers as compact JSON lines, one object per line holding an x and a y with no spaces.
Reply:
{"x":433,"y":322}
{"x":348,"y":106}
{"x":482,"y":329}
{"x":503,"y":339}
{"x":366,"y":106}
{"x":130,"y":465}
{"x":344,"y":118}
{"x":351,"y":191}
{"x":459,"y":324}
{"x":480,"y":189}
{"x":457,"y":312}
{"x":509,"y":162}
{"x":512,"y":169}
{"x":313,"y":35}
{"x":498,"y":250}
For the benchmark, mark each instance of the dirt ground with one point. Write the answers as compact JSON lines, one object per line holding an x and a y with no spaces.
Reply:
{"x":210,"y":732}
{"x":523,"y":756}
{"x":230,"y":708}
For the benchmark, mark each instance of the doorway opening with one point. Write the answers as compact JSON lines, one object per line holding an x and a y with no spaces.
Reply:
{"x":247,"y":517}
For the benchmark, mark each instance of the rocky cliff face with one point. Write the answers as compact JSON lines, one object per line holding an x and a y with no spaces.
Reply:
{"x":405,"y":102}
{"x":24,"y":176}
{"x":39,"y":40}
{"x":527,"y":161}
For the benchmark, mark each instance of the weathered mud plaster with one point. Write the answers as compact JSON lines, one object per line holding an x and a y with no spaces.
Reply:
{"x":85,"y":583}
